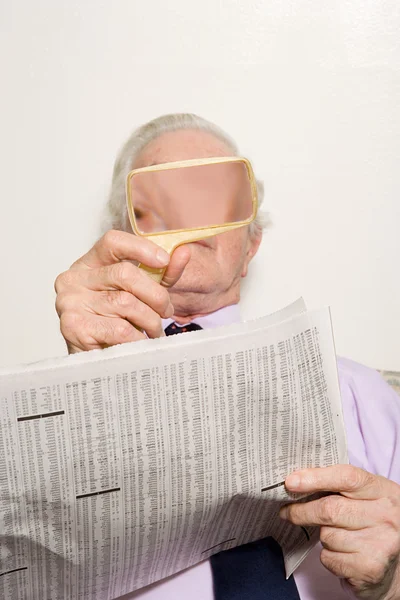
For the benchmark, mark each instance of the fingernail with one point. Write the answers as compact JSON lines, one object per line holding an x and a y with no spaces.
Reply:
{"x":283,"y":513}
{"x":162,"y":256}
{"x":292,"y":482}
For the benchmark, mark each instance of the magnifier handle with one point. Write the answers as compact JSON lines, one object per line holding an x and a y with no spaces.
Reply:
{"x":155,"y":274}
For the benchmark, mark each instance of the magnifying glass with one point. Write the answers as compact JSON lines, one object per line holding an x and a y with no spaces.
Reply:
{"x":186,"y":201}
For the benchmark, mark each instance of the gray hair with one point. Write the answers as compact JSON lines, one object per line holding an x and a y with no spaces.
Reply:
{"x":116,"y":215}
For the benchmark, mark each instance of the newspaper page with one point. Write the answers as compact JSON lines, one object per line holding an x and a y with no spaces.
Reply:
{"x":121,"y":467}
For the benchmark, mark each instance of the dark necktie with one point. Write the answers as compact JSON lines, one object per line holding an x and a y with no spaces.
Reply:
{"x":173,"y":329}
{"x":254,"y":571}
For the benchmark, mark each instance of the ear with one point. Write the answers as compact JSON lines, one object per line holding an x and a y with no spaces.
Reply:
{"x":253,"y":244}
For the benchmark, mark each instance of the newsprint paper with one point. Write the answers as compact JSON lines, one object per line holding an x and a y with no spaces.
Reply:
{"x":120,"y":467}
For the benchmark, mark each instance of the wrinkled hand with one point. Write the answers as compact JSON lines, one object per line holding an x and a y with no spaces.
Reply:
{"x":360,"y":527}
{"x":103,"y":296}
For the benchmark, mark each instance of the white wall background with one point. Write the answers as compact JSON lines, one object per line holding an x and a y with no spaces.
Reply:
{"x":311,"y":91}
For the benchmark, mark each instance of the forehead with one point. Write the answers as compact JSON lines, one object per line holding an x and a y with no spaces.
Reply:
{"x":181,"y":145}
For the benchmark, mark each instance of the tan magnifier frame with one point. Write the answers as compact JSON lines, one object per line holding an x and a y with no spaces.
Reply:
{"x":169,"y":240}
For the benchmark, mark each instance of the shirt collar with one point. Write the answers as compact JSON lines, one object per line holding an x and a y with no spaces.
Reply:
{"x":224,"y":316}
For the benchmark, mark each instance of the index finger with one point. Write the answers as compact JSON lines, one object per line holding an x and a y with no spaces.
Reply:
{"x":116,"y":246}
{"x":347,"y":480}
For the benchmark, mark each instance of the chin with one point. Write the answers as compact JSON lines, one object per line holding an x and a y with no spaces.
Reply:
{"x":195,"y":286}
{"x":197,"y":278}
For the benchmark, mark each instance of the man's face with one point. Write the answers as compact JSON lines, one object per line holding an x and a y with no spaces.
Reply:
{"x":212,"y":276}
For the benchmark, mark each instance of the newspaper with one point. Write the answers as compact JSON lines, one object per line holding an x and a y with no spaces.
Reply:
{"x":120,"y":467}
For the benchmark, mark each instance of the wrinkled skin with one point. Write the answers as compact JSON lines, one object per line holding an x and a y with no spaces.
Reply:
{"x":360,"y":526}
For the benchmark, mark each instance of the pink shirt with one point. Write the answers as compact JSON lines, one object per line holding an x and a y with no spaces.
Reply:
{"x":372,"y":418}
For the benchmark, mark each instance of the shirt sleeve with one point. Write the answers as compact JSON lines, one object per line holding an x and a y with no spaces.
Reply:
{"x":372,"y":417}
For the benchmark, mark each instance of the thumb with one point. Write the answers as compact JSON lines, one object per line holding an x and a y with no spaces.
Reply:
{"x":177,"y":264}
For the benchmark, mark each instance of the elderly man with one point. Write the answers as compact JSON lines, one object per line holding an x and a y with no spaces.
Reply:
{"x":104,"y":299}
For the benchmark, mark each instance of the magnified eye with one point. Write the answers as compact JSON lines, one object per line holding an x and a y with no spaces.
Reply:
{"x":147,"y":220}
{"x":139,"y":214}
